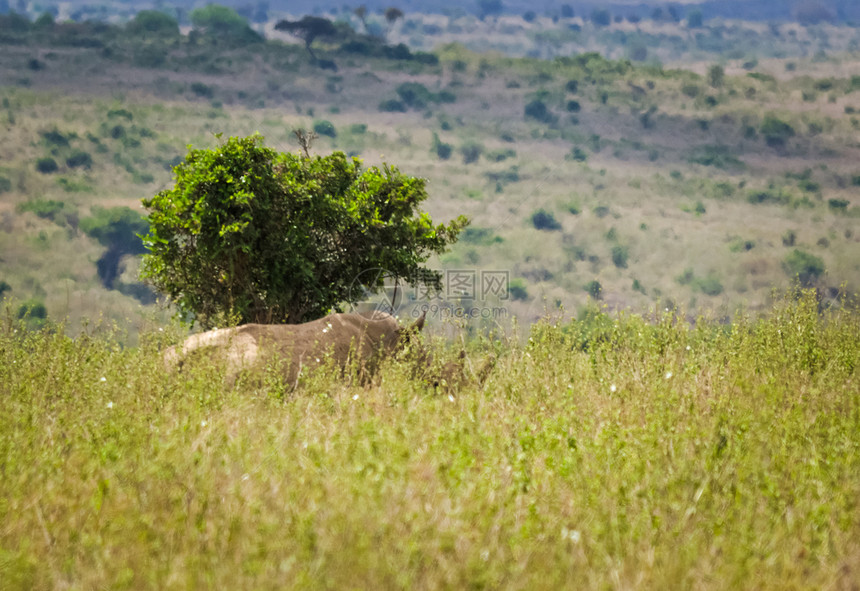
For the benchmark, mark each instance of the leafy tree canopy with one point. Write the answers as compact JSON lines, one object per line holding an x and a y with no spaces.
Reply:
{"x":251,"y":234}
{"x":222,"y":21}
{"x":153,"y":23}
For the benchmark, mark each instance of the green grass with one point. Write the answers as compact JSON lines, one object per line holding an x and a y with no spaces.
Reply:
{"x":611,"y":452}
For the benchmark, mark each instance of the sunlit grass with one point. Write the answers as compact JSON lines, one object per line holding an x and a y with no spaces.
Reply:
{"x":606,"y":453}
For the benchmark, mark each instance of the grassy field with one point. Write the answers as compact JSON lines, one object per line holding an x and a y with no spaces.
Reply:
{"x":659,"y":184}
{"x":610,"y":453}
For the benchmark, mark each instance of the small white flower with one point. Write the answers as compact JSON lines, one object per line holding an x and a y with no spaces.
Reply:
{"x":104,"y":379}
{"x":669,"y":375}
{"x":485,"y":555}
{"x":325,"y":330}
{"x":203,"y":423}
{"x":575,"y":536}
{"x":613,"y":388}
{"x":450,"y":397}
{"x":355,"y":397}
{"x":688,"y":347}
{"x":160,"y":330}
{"x":318,"y":359}
{"x":110,"y":404}
{"x":245,"y":476}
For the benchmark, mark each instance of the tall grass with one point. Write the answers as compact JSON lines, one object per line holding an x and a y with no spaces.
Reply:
{"x":604,"y":453}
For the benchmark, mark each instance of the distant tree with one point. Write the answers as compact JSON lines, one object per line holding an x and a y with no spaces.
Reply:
{"x":489,"y":8}
{"x":601,"y":17}
{"x":776,"y":132}
{"x":309,"y":28}
{"x":674,"y":15}
{"x":223,"y":23}
{"x":119,"y":229}
{"x":566,"y":11}
{"x":392,"y":14}
{"x":812,"y":12}
{"x":716,"y":76}
{"x":153,"y":23}
{"x":361,"y":13}
{"x":695,"y":19}
{"x":806,"y":267}
{"x":529,"y":16}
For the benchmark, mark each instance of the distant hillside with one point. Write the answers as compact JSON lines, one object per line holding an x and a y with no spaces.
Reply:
{"x":837,"y":11}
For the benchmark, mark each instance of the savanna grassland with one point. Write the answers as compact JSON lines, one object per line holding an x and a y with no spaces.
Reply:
{"x":701,"y":186}
{"x":657,"y":418}
{"x":604,"y":453}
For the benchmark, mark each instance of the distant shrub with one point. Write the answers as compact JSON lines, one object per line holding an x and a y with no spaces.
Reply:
{"x":741,"y":245}
{"x":691,"y":90}
{"x":46,"y":165}
{"x":392,"y":106}
{"x":577,"y":154}
{"x":32,"y":309}
{"x":538,"y":111}
{"x":716,"y":156}
{"x":768,"y":196}
{"x":806,"y":267}
{"x":601,"y":211}
{"x":789,"y":238}
{"x":54,"y":137}
{"x":545,"y":220}
{"x":471,"y":151}
{"x":443,"y":150}
{"x":709,"y":286}
{"x":4,"y":287}
{"x":500,"y":154}
{"x":476,"y":235}
{"x":517,"y":289}
{"x":202,"y":90}
{"x":79,"y":159}
{"x":699,"y":208}
{"x":573,"y":106}
{"x":839,"y":205}
{"x":685,"y":278}
{"x":120,"y":114}
{"x":153,"y":23}
{"x":637,"y":286}
{"x":620,"y":254}
{"x":594,"y":289}
{"x":358,"y":128}
{"x":44,"y":208}
{"x":776,"y":132}
{"x":572,"y":86}
{"x":325,"y":127}
{"x":5,"y":185}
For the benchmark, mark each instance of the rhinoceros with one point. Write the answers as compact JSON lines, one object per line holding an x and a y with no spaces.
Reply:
{"x":345,"y":338}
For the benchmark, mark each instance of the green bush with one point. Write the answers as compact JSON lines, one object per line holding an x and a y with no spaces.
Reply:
{"x":517,"y":289}
{"x":471,"y":151}
{"x":324,"y":127}
{"x":620,"y":254}
{"x":538,"y":111}
{"x":47,"y":165}
{"x":392,"y":106}
{"x":202,"y":90}
{"x":789,"y":238}
{"x":709,"y":286}
{"x":5,"y":185}
{"x":545,"y":220}
{"x":573,"y":107}
{"x":594,"y":289}
{"x":776,"y":132}
{"x":78,"y":159}
{"x":44,"y":208}
{"x":838,"y":205}
{"x":806,"y":267}
{"x":257,"y":235}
